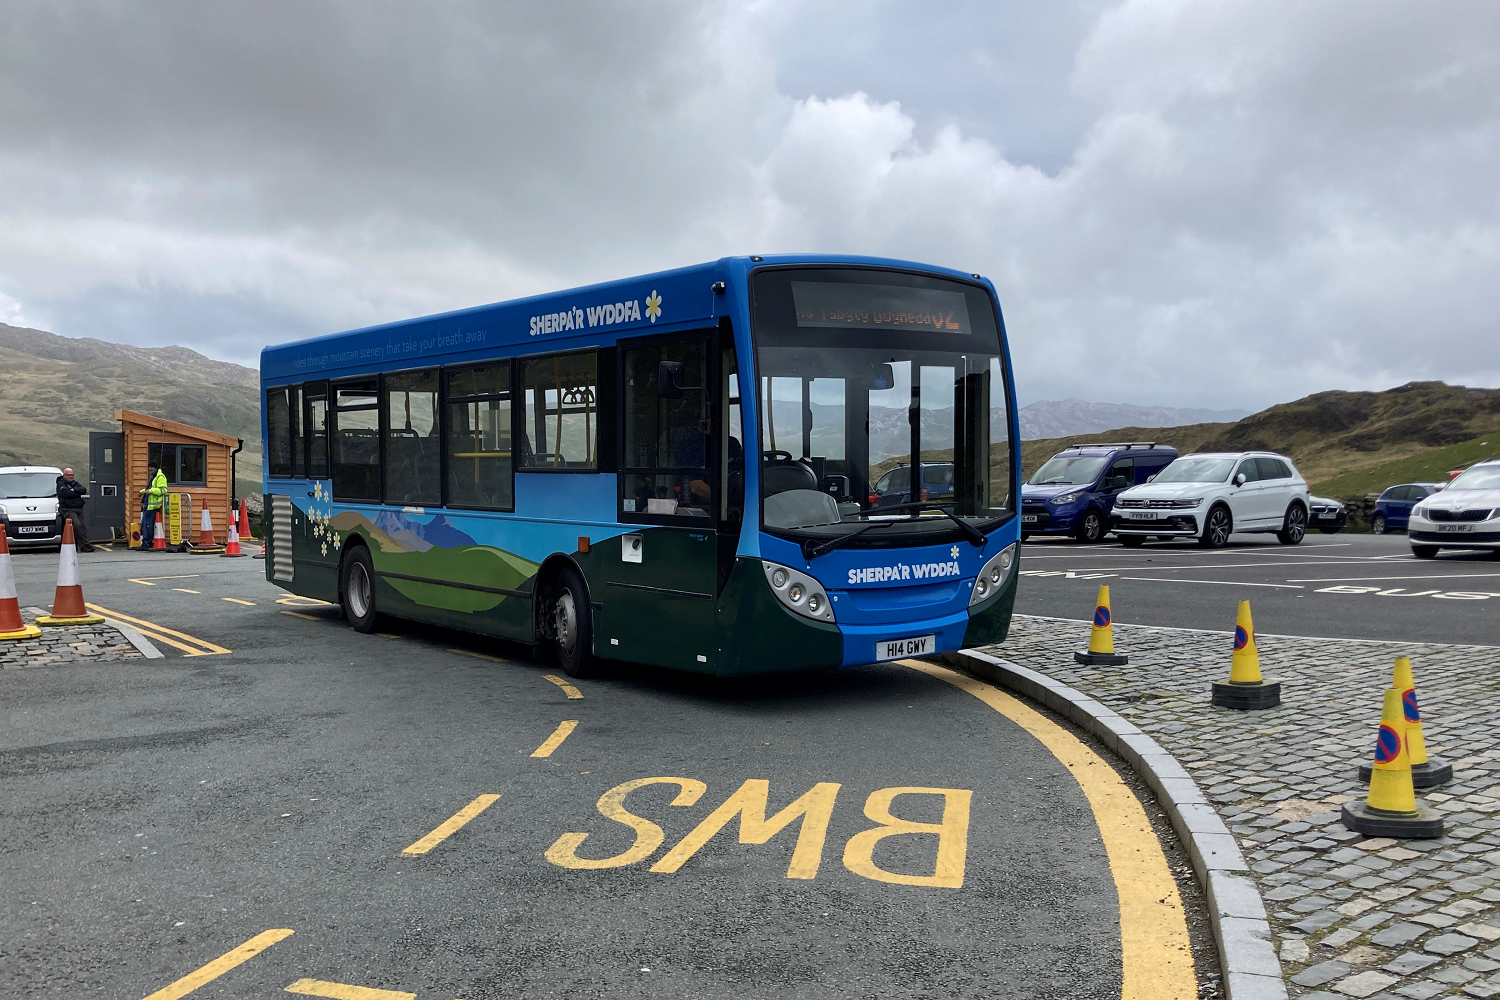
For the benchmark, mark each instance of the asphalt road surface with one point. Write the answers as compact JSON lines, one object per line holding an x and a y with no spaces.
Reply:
{"x":278,"y":772}
{"x":1343,"y":585}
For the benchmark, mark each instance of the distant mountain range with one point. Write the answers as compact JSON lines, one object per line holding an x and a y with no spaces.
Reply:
{"x":1051,"y":418}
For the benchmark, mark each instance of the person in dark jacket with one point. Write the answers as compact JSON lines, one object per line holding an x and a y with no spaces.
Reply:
{"x":70,"y":496}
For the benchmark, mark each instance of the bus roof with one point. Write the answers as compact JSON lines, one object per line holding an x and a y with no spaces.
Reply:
{"x":663,"y":301}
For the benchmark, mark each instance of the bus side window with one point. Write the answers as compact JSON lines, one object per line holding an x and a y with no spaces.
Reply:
{"x":477,"y":437}
{"x":278,"y":433}
{"x":316,"y":426}
{"x":561,"y":428}
{"x":732,"y":441}
{"x":299,"y":445}
{"x":665,"y":468}
{"x":413,"y":467}
{"x":356,"y":441}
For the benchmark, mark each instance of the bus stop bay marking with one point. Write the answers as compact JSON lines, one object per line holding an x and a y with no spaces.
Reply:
{"x":814,"y":809}
{"x":572,"y":692}
{"x":149,"y":581}
{"x":452,"y":825}
{"x":551,"y":743}
{"x":1156,"y":954}
{"x":213,"y":970}
{"x":190,"y":645}
{"x":1445,"y":595}
{"x":343,"y":991}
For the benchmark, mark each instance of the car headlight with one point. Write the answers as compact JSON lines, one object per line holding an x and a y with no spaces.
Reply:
{"x":1419,"y":511}
{"x":1187,"y":503}
{"x":798,"y":592}
{"x":1065,"y":498}
{"x":993,"y":574}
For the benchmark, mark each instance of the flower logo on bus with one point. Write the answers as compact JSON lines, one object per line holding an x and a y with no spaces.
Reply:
{"x":953,"y":552}
{"x":653,"y":306}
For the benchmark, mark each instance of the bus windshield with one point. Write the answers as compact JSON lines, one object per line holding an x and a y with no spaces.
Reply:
{"x":865,"y":375}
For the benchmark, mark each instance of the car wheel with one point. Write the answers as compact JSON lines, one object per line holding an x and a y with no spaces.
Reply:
{"x":1217,"y":528}
{"x":1377,"y":524}
{"x":1091,"y":528}
{"x":1293,"y":526}
{"x":1132,"y":541}
{"x":572,"y":622}
{"x":1424,"y":551}
{"x":357,"y":590}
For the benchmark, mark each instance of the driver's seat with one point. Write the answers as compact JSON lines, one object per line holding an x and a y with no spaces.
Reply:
{"x":780,"y":472}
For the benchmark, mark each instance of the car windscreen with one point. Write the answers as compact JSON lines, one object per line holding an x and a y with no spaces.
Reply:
{"x":1480,"y":477}
{"x":1196,"y":469}
{"x":27,"y":485}
{"x":1068,"y":470}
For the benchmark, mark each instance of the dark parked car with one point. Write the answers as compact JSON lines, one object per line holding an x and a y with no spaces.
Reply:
{"x":1074,"y":492}
{"x":1393,"y":509}
{"x":1328,"y":516}
{"x":895,"y":486}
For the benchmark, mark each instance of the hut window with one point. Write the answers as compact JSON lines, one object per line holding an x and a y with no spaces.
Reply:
{"x":183,"y":464}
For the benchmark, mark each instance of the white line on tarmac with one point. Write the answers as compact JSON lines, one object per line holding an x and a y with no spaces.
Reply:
{"x":1226,"y":583}
{"x":1174,"y":569}
{"x":1356,"y":579}
{"x":1258,"y":634}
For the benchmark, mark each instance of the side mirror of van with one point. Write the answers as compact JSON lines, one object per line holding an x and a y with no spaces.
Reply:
{"x":1152,"y":478}
{"x":1116,"y":483}
{"x":1239,"y":479}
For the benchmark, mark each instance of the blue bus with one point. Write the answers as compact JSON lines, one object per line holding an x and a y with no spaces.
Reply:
{"x":677,"y":469}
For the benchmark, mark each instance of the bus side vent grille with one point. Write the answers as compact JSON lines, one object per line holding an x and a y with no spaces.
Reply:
{"x":281,"y":538}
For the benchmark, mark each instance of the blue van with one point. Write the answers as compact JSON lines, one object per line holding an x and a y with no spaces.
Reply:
{"x":1072,"y":494}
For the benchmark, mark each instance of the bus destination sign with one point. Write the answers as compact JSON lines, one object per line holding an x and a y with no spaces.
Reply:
{"x":879,"y":307}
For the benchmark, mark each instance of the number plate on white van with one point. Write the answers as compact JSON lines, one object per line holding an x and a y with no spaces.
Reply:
{"x":33,"y":529}
{"x":896,"y":649}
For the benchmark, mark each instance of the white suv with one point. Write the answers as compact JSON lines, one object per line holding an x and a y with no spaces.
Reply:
{"x":1466,"y":515}
{"x":1207,"y":496}
{"x":28,"y":504}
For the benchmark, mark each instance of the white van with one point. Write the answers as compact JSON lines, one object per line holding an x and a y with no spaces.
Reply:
{"x":28,"y":505}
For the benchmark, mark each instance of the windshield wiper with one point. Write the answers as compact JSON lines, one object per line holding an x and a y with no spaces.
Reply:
{"x":811,"y":550}
{"x":976,"y":537}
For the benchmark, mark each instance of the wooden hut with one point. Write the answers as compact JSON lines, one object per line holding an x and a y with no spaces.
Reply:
{"x":195,"y":460}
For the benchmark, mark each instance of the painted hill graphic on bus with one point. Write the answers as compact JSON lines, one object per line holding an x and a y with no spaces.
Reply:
{"x":411,"y":534}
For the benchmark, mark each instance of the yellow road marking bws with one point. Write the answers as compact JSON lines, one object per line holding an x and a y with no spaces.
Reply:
{"x":1156,"y":955}
{"x":145,"y":581}
{"x":343,"y":991}
{"x":572,"y":692}
{"x":452,"y":825}
{"x":184,"y":590}
{"x":477,"y":656}
{"x":236,"y":600}
{"x":213,"y":970}
{"x":190,"y":645}
{"x":555,"y":740}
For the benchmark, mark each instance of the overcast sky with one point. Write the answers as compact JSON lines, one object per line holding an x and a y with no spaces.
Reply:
{"x":1223,"y":204}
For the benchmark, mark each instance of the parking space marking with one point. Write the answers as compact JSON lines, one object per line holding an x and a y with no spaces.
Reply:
{"x":146,"y":581}
{"x":236,"y":600}
{"x":1156,"y":954}
{"x":306,"y":618}
{"x":190,"y":645}
{"x":572,"y":692}
{"x":1173,"y":569}
{"x":551,"y":743}
{"x":452,"y":824}
{"x":1360,"y":579}
{"x":1224,"y":583}
{"x":343,"y":991}
{"x":213,"y":970}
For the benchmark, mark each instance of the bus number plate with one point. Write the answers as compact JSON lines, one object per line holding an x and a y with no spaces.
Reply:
{"x":896,"y":649}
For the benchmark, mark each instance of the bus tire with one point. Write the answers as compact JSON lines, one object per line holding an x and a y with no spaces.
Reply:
{"x":357,"y":589}
{"x":570,"y":623}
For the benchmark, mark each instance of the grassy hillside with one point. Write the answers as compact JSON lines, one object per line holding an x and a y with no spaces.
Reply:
{"x":57,"y":389}
{"x":1345,"y":443}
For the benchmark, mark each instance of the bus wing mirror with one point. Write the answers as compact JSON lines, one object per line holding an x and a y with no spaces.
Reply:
{"x":669,"y":380}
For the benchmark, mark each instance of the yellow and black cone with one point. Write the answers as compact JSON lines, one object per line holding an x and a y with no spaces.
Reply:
{"x":1425,"y":772}
{"x":1246,"y":689}
{"x":1390,"y":809}
{"x":1101,"y":651}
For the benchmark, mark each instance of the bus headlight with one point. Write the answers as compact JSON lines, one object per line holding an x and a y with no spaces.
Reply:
{"x":993,"y":574}
{"x":798,"y":592}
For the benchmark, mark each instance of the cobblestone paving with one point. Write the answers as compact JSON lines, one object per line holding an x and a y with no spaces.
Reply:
{"x":65,"y":644}
{"x":1354,"y":916}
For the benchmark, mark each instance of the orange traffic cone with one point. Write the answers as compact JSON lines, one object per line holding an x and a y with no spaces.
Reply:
{"x":67,"y":604}
{"x":12,"y":626}
{"x":206,"y":530}
{"x":232,"y":548}
{"x":159,"y":543}
{"x":244,"y":519}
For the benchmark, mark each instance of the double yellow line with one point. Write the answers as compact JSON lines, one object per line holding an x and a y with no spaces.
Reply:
{"x":190,"y":645}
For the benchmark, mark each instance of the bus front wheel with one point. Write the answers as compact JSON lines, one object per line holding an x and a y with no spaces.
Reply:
{"x":572,"y":622}
{"x":357,"y":590}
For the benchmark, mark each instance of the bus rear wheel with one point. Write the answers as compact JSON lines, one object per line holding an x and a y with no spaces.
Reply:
{"x":572,"y":625}
{"x":357,"y":590}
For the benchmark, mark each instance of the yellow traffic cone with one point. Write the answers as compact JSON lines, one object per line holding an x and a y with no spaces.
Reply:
{"x":1101,"y":651}
{"x":1425,"y":772}
{"x":1390,"y":809}
{"x":1246,"y":689}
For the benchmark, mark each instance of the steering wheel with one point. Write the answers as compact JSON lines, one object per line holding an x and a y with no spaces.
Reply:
{"x":777,"y":455}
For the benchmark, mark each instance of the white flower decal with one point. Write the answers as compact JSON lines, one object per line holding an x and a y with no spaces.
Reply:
{"x":653,"y":306}
{"x":953,"y":552}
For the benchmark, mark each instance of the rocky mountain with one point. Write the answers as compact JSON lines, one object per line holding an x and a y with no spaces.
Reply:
{"x":54,"y":390}
{"x":1052,"y":418}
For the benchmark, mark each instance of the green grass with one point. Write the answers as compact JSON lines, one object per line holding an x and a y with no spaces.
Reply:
{"x":1428,"y":467}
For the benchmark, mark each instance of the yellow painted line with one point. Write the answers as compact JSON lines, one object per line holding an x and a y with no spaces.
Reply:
{"x":563,"y":730}
{"x":236,"y":600}
{"x":203,"y":646}
{"x":293,"y":600}
{"x":154,"y":637}
{"x":145,"y":581}
{"x":572,"y":692}
{"x":478,"y":656}
{"x":452,"y":824}
{"x":298,"y":614}
{"x":213,"y":970}
{"x":343,"y":991}
{"x":387,"y":635}
{"x":1156,"y":955}
{"x":184,"y":590}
